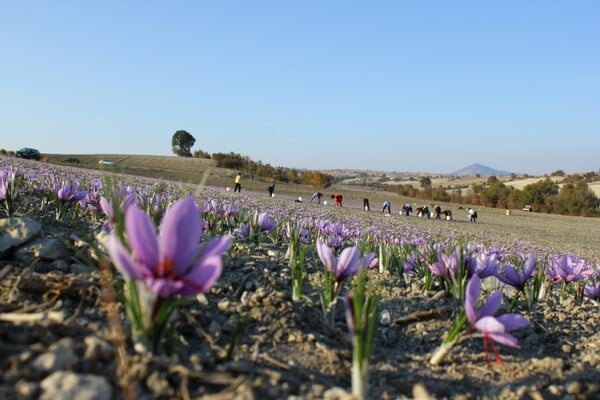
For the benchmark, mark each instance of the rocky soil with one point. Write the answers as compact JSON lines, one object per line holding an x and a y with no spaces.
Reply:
{"x":62,"y":335}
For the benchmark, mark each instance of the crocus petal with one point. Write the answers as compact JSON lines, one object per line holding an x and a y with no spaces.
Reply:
{"x":505,"y":338}
{"x":491,"y":305}
{"x":368,"y":259}
{"x":529,"y":268}
{"x":205,"y":272}
{"x":217,"y":245}
{"x":122,"y":260}
{"x":142,"y":237}
{"x":203,"y":277}
{"x":180,"y":233}
{"x":513,"y":321}
{"x":326,"y":256}
{"x":510,"y":277}
{"x":348,"y":263}
{"x":489,"y":325}
{"x":163,"y":287}
{"x":471,"y":295}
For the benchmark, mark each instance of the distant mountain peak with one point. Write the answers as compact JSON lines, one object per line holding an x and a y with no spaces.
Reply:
{"x":481,"y":170}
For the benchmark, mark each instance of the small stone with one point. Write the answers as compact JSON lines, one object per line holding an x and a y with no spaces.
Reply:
{"x":59,"y":356}
{"x":68,"y":385}
{"x":201,"y":298}
{"x":554,"y":390}
{"x":97,"y":348}
{"x":567,"y":348}
{"x":337,"y":393}
{"x":536,"y":395}
{"x":574,"y":388}
{"x":245,"y":298}
{"x":385,"y":318}
{"x":26,"y":389}
{"x":223,"y":305}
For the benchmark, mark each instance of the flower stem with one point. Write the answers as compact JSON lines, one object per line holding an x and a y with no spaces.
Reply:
{"x":441,"y":352}
{"x":359,"y":379}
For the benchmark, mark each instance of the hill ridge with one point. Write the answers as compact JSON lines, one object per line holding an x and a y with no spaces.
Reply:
{"x":480,"y":169}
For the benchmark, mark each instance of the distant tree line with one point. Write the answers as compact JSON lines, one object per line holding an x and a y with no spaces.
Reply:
{"x":182,"y":142}
{"x":266,"y":172}
{"x":573,"y":198}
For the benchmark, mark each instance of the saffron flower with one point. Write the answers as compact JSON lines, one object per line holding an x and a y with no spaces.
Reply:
{"x":484,"y":264}
{"x":160,"y":267}
{"x":265,"y":223}
{"x":7,"y":190}
{"x":255,"y":230}
{"x":517,"y":279}
{"x":482,"y":319}
{"x":569,"y":268}
{"x":446,"y":267}
{"x":172,"y":262}
{"x":296,"y":254}
{"x":592,"y":290}
{"x":337,"y":269}
{"x":66,"y":195}
{"x":452,"y":270}
{"x":343,"y":267}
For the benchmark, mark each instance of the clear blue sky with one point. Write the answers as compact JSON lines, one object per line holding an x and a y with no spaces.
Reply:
{"x":384,"y":85}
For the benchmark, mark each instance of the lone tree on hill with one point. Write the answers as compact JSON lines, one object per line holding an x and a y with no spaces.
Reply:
{"x":182,"y":143}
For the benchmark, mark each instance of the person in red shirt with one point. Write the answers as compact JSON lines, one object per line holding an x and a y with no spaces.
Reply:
{"x":338,"y":199}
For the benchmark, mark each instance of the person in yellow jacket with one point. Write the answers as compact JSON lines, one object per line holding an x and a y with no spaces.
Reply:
{"x":238,"y":183}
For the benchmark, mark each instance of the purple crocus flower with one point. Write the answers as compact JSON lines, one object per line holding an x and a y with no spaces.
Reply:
{"x":302,"y":232}
{"x":494,"y":329}
{"x":592,"y":290}
{"x":348,"y":263}
{"x":484,"y":264}
{"x":108,"y":209}
{"x":172,"y":262}
{"x":515,"y":278}
{"x":446,"y":267}
{"x":370,"y":261}
{"x":412,"y":263}
{"x":245,"y":230}
{"x":569,"y":268}
{"x":5,"y":182}
{"x":265,"y":223}
{"x":69,"y":192}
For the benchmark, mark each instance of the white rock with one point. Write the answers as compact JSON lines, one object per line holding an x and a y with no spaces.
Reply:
{"x":70,"y":386}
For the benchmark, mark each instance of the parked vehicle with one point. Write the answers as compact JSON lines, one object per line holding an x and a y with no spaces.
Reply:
{"x":105,"y":161}
{"x":71,"y":160}
{"x":29,"y":153}
{"x":527,"y":208}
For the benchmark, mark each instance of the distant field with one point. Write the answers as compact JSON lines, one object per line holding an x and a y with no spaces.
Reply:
{"x":181,"y":169}
{"x":559,"y":233}
{"x":465,"y":183}
{"x":197,"y":170}
{"x":595,"y":188}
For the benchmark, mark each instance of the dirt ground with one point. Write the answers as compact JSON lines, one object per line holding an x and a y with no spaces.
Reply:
{"x":246,"y":339}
